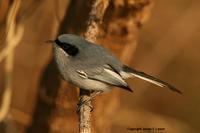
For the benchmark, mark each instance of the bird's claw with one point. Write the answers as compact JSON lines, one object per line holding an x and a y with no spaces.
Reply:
{"x":86,"y":102}
{"x":83,"y":103}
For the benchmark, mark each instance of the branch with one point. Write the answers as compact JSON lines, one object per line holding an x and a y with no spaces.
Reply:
{"x":13,"y":37}
{"x":95,"y":18}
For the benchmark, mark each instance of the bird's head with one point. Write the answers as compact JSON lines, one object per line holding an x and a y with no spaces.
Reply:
{"x":68,"y":43}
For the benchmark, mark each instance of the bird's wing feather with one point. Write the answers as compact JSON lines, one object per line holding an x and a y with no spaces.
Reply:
{"x":105,"y":74}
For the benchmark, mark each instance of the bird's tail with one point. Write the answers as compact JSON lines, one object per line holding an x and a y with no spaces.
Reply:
{"x":129,"y":72}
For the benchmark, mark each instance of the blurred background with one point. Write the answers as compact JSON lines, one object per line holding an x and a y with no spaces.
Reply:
{"x":158,"y":37}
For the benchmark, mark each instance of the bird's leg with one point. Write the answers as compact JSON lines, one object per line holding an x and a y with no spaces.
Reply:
{"x":92,"y":96}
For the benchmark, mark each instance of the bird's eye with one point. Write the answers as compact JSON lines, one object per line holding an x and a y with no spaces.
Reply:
{"x":68,"y":48}
{"x":65,"y":46}
{"x":72,"y":50}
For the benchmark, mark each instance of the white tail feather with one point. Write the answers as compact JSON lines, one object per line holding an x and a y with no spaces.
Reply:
{"x":149,"y":80}
{"x":126,"y":75}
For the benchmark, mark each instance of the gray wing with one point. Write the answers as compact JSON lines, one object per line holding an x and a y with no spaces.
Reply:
{"x":105,"y":74}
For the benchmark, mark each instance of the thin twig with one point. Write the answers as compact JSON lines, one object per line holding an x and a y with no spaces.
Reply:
{"x":12,"y":39}
{"x":95,"y":18}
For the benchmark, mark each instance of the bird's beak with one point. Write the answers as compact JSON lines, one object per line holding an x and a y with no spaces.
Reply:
{"x":50,"y":41}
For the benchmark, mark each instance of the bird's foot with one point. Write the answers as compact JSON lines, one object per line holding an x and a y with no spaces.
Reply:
{"x":87,"y":101}
{"x":82,"y":104}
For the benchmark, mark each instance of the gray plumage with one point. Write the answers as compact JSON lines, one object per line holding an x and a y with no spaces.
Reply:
{"x":90,"y":66}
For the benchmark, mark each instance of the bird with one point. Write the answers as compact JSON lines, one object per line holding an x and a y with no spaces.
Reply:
{"x":92,"y":67}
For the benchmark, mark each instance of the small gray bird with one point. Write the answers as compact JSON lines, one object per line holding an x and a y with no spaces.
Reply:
{"x":92,"y":67}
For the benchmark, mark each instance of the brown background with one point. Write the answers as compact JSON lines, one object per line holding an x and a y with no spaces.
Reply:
{"x":168,"y":46}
